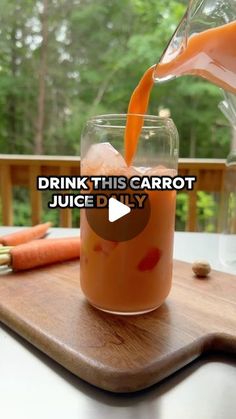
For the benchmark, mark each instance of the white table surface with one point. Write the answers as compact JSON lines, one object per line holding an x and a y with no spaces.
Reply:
{"x":34,"y":387}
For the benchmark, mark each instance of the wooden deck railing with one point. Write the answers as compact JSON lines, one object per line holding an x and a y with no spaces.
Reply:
{"x":17,"y":170}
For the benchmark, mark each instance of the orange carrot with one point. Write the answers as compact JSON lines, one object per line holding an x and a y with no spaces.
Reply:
{"x":42,"y":252}
{"x":25,"y":235}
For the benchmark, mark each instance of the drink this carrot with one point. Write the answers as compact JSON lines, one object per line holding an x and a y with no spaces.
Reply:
{"x":25,"y":235}
{"x":40,"y":253}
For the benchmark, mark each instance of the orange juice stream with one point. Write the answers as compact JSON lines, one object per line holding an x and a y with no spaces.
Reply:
{"x":138,"y":106}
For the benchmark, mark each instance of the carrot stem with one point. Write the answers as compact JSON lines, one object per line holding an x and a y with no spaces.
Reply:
{"x":5,"y":249}
{"x":5,"y":259}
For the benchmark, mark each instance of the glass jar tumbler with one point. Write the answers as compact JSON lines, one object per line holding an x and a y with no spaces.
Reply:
{"x":130,"y":276}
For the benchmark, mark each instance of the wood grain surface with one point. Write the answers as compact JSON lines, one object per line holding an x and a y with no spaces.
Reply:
{"x":120,"y":354}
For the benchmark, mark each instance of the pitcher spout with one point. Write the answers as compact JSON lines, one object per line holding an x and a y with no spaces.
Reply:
{"x":177,"y":44}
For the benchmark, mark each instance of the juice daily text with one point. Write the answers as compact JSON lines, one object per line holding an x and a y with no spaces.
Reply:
{"x":96,"y":201}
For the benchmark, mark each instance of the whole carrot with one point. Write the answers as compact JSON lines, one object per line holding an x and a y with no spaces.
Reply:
{"x":40,"y":253}
{"x":25,"y":235}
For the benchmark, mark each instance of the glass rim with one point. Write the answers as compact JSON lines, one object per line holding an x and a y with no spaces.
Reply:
{"x":123,"y":117}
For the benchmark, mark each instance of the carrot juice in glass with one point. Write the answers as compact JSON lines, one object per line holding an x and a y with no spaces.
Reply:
{"x":131,"y":275}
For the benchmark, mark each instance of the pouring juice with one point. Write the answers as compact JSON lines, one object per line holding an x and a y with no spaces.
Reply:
{"x":134,"y":276}
{"x":210,"y":54}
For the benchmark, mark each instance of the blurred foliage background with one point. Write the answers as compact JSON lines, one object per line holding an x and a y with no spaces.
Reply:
{"x":64,"y":60}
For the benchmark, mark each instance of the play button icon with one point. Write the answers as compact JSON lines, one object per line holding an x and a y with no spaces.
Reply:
{"x":118,"y":222}
{"x":117,"y":210}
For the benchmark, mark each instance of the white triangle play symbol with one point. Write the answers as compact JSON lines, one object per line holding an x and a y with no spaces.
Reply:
{"x":117,"y":210}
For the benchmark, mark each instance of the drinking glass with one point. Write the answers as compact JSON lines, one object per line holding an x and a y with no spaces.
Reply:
{"x":130,"y":275}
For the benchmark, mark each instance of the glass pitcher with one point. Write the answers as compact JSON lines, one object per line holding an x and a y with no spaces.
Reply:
{"x":227,"y":240}
{"x":203,"y":45}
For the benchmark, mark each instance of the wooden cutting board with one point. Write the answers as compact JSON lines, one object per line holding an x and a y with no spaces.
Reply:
{"x":120,"y":354}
